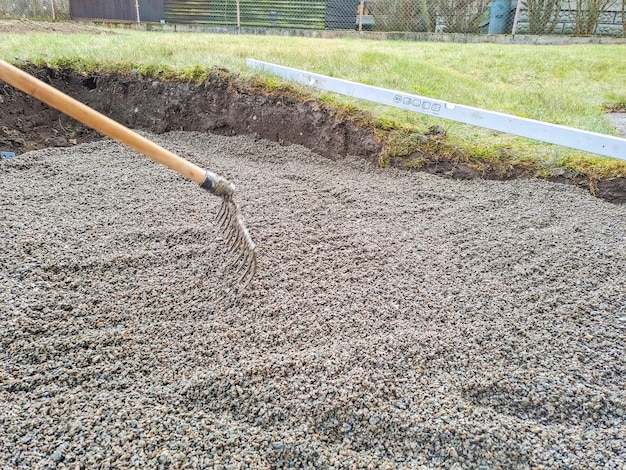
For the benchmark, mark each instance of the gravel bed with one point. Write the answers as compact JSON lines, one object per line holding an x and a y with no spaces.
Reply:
{"x":398,"y":320}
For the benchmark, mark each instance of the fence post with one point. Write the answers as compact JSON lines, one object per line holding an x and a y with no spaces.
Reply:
{"x":137,"y":10}
{"x":54,"y":14}
{"x":361,"y":8}
{"x":516,"y":18}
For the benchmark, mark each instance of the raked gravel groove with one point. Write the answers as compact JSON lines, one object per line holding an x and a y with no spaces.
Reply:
{"x":398,"y":320}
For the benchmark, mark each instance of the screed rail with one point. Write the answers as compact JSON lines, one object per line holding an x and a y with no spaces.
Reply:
{"x":593,"y":142}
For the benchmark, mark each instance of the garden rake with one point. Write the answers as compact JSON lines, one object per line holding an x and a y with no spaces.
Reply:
{"x":229,"y":219}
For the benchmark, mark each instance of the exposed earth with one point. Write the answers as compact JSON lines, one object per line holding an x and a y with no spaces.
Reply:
{"x":62,"y":27}
{"x":397,"y":320}
{"x":223,"y":105}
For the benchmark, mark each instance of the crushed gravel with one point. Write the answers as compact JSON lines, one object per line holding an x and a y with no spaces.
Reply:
{"x":398,"y":320}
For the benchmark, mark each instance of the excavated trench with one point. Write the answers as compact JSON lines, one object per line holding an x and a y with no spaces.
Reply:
{"x":223,"y":105}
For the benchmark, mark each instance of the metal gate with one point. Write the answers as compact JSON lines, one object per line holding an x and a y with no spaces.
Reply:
{"x":149,"y":10}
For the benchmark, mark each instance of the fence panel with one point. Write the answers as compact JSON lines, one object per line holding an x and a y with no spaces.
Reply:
{"x":149,"y":10}
{"x":578,"y":17}
{"x":449,"y":16}
{"x":104,"y":9}
{"x":266,"y":13}
{"x":35,"y":9}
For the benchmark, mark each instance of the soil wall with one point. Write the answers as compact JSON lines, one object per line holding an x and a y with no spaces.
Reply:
{"x":223,"y":105}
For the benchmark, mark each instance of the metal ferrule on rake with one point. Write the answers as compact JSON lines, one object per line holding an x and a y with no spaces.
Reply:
{"x":217,"y":185}
{"x":231,"y":223}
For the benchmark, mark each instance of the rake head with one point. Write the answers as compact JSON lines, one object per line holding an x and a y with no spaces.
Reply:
{"x":241,"y":246}
{"x":231,"y":223}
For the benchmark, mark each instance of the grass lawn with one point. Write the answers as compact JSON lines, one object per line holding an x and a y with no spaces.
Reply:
{"x":569,"y":85}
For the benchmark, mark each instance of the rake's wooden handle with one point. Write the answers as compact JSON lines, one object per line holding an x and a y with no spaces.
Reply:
{"x":92,"y":118}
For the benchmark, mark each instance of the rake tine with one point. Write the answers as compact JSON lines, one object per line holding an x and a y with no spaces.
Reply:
{"x":247,"y":254}
{"x":231,"y":236}
{"x":234,"y":240}
{"x":238,"y":240}
{"x":241,"y":266}
{"x":245,"y":232}
{"x":225,"y":219}
{"x":231,"y":223}
{"x":235,"y":250}
{"x":239,"y":245}
{"x":238,"y":260}
{"x":222,"y":214}
{"x":250,"y":270}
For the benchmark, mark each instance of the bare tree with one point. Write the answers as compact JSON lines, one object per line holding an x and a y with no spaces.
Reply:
{"x":588,"y":14}
{"x":543,"y":15}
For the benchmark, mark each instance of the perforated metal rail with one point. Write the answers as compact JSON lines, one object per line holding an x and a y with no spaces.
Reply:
{"x":593,"y":142}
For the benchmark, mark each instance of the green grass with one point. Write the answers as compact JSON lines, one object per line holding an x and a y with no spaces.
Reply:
{"x":570,"y":85}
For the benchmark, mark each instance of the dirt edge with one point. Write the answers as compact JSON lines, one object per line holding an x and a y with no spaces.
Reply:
{"x":224,"y":104}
